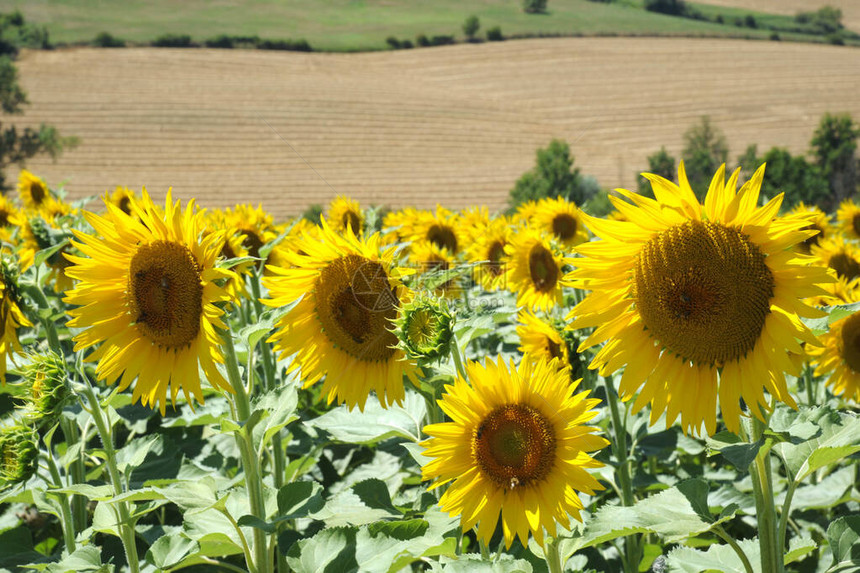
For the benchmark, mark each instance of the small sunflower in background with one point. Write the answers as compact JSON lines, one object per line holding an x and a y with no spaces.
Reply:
{"x":122,"y":197}
{"x":147,"y":292}
{"x":10,"y":218}
{"x":436,"y":268}
{"x":397,"y":225}
{"x":473,"y":222}
{"x":838,"y":254}
{"x":441,"y":228}
{"x":32,"y":190}
{"x":848,"y":219}
{"x":11,"y":318}
{"x":839,"y":357}
{"x":535,"y":270}
{"x":524,"y":213}
{"x":489,"y":249}
{"x":234,"y":248}
{"x":540,"y":340}
{"x":517,"y":448}
{"x":255,"y":226}
{"x":698,"y":301}
{"x":345,"y":213}
{"x":561,"y":219}
{"x":818,"y":221}
{"x":840,"y":291}
{"x":341,"y":330}
{"x":43,"y":230}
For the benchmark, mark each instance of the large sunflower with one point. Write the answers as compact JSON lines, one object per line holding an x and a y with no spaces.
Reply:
{"x":535,"y":270}
{"x":561,"y":219}
{"x":517,"y":446}
{"x":341,"y":328}
{"x":848,"y":219}
{"x":698,"y":301}
{"x":11,"y":319}
{"x":840,"y":357}
{"x":32,"y":190}
{"x":147,"y":292}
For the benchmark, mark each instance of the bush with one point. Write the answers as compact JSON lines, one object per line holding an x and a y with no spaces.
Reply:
{"x":534,"y":6}
{"x":719,"y":19}
{"x":471,"y":27}
{"x":442,"y":40}
{"x":775,"y":36}
{"x":705,"y":149}
{"x":494,"y":34}
{"x":553,"y":176}
{"x":392,"y":42}
{"x":834,"y":146}
{"x":671,"y":7}
{"x":422,"y":40}
{"x":749,"y":21}
{"x":173,"y":41}
{"x":827,"y":19}
{"x":300,"y":45}
{"x":836,"y":39}
{"x":223,"y":41}
{"x":660,"y":163}
{"x":794,"y":176}
{"x":105,"y":40}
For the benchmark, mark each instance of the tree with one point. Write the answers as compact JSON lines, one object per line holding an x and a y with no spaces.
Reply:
{"x":834,"y":146}
{"x":794,"y":176}
{"x":670,"y":7}
{"x":705,"y":149}
{"x":534,"y":6}
{"x":471,"y":27}
{"x":553,"y":176}
{"x":661,"y":163}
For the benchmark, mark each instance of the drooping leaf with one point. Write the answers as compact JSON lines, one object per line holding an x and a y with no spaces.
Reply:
{"x":375,"y":423}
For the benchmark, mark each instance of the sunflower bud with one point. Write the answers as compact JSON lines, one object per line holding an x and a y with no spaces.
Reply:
{"x":48,"y":390}
{"x":425,"y":329}
{"x":19,"y":455}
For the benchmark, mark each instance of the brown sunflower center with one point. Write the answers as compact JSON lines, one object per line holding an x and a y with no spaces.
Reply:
{"x":166,"y":293}
{"x":125,"y":205}
{"x":514,"y":445}
{"x":806,"y":245}
{"x":850,"y":347}
{"x":554,"y":348}
{"x":542,"y":268}
{"x":855,"y":223}
{"x":38,"y":192}
{"x":494,"y":255}
{"x":252,"y":241}
{"x":564,"y":226}
{"x":4,"y":217}
{"x":356,"y":306}
{"x":845,"y":266}
{"x":443,"y":237}
{"x":703,"y":291}
{"x":350,"y":220}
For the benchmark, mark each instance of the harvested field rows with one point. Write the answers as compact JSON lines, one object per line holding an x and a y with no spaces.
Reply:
{"x":454,"y":125}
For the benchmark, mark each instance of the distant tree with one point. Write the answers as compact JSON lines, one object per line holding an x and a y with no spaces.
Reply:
{"x":534,"y":6}
{"x":670,"y":7}
{"x":105,"y":40}
{"x":705,"y":149}
{"x":826,"y":19}
{"x":494,"y":34}
{"x":749,"y":161}
{"x":471,"y":27}
{"x":553,"y":176}
{"x":313,"y":213}
{"x":834,"y":147}
{"x":660,"y":163}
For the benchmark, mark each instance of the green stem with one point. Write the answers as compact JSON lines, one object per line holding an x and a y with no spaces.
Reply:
{"x":106,"y":434}
{"x":458,"y":358}
{"x":722,"y":534}
{"x":552,"y":556}
{"x":250,"y":465}
{"x":50,"y":326}
{"x":762,"y":479}
{"x":249,"y":558}
{"x":807,"y":381}
{"x":63,"y":500}
{"x":76,"y":470}
{"x":619,"y":446}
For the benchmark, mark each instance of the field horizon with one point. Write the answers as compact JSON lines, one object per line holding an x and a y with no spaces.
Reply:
{"x":454,"y":125}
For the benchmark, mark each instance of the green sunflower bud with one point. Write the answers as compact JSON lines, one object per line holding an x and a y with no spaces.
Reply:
{"x":48,"y":389}
{"x":425,"y":329}
{"x":19,"y":455}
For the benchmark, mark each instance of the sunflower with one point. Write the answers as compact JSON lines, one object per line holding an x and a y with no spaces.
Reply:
{"x":840,"y":255}
{"x":698,"y":301}
{"x":341,"y":328}
{"x":441,"y":228}
{"x":840,"y":357}
{"x":343,"y":213}
{"x":841,"y":291}
{"x":254,"y":225}
{"x":10,"y":218}
{"x":489,"y":250}
{"x":517,"y":446}
{"x":43,"y":231}
{"x":818,"y":221}
{"x":473,"y":222}
{"x":535,"y":270}
{"x":561,"y":219}
{"x":233,"y":248}
{"x":32,"y":190}
{"x":11,"y":318}
{"x":437,"y":266}
{"x":525,"y":212}
{"x":540,"y":340}
{"x":122,"y":197}
{"x":397,"y":225}
{"x":848,"y":219}
{"x":147,"y":292}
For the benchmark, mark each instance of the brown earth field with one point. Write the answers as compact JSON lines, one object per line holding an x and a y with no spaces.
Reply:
{"x":850,"y":8}
{"x":455,"y":125}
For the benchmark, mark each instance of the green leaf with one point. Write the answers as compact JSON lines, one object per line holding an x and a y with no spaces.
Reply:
{"x":254,"y":521}
{"x":739,"y":453}
{"x":375,"y":423}
{"x":84,"y":560}
{"x":133,"y":454}
{"x":298,"y":499}
{"x":18,"y":544}
{"x":329,"y":551}
{"x":838,"y":437}
{"x":92,"y":492}
{"x":191,"y":495}
{"x":720,"y":558}
{"x":798,"y":548}
{"x":374,"y":494}
{"x":830,"y":491}
{"x":253,"y":333}
{"x":844,"y":537}
{"x":45,"y":254}
{"x":401,"y":530}
{"x":347,"y":508}
{"x":852,"y":566}
{"x":279,"y":405}
{"x":472,"y":563}
{"x":169,"y":550}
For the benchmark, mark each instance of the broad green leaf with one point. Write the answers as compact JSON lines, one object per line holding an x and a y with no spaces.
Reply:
{"x":832,"y":490}
{"x":374,"y":494}
{"x":279,"y":408}
{"x":18,"y":548}
{"x":739,"y":453}
{"x":472,"y":563}
{"x":838,"y":437}
{"x":852,"y":566}
{"x":253,"y":333}
{"x":190,"y":495}
{"x":720,"y":558}
{"x":330,"y":551}
{"x":92,"y":492}
{"x":844,"y":537}
{"x":133,"y":453}
{"x":170,"y":550}
{"x":254,"y":521}
{"x":85,"y":559}
{"x":298,"y":499}
{"x":798,"y":548}
{"x":375,"y":423}
{"x":347,"y":508}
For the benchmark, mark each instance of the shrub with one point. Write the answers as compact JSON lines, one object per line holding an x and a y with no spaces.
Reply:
{"x":422,"y":40}
{"x":406,"y":45}
{"x":105,"y":40}
{"x":173,"y":41}
{"x":660,"y":163}
{"x":442,"y":40}
{"x":705,"y":149}
{"x":749,"y":21}
{"x":671,"y":7}
{"x":553,"y":176}
{"x":534,"y":6}
{"x":471,"y":27}
{"x":827,"y":19}
{"x":223,"y":41}
{"x":300,"y":45}
{"x":775,"y":36}
{"x":392,"y":42}
{"x":719,"y":19}
{"x":836,"y":39}
{"x":494,"y":34}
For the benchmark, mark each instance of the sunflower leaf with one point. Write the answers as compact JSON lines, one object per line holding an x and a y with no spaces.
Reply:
{"x":844,"y":537}
{"x":331,"y":550}
{"x":376,"y":423}
{"x":838,"y":437}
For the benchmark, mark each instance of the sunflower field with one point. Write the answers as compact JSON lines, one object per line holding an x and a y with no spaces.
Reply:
{"x":671,"y":388}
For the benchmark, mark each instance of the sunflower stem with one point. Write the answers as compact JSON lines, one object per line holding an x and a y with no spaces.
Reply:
{"x":619,"y":447}
{"x":50,"y":326}
{"x":458,"y":358}
{"x":722,"y":534}
{"x":105,"y":431}
{"x":250,"y":465}
{"x":762,"y":480}
{"x":807,"y":381}
{"x":76,"y":470}
{"x":552,"y":555}
{"x":64,"y":501}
